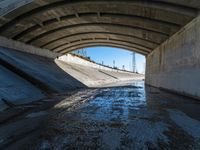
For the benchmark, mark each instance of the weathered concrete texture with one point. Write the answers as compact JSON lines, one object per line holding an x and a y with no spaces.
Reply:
{"x":9,"y":5}
{"x":8,"y":43}
{"x":73,"y":59}
{"x":122,"y":118}
{"x":16,"y":90}
{"x":63,"y":26}
{"x":175,"y":65}
{"x":94,"y":77}
{"x":41,"y":68}
{"x":25,"y":77}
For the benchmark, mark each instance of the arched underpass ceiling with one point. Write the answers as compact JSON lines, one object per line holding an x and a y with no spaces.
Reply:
{"x":66,"y":25}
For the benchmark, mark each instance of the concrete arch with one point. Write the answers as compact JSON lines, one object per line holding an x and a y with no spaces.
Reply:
{"x":40,"y":7}
{"x":111,"y":40}
{"x":165,"y":31}
{"x":52,"y":23}
{"x":93,"y":36}
{"x":54,"y":43}
{"x":143,"y":33}
{"x":146,"y":23}
{"x":34,"y":36}
{"x":109,"y":44}
{"x":97,"y":27}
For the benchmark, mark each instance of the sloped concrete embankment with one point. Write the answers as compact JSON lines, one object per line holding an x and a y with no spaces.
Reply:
{"x":93,"y":74}
{"x":26,"y":77}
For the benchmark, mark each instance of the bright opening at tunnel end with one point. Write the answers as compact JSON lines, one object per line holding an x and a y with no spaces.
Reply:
{"x":99,"y":74}
{"x":114,"y":57}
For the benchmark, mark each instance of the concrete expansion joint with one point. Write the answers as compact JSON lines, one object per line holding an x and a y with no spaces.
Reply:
{"x":77,"y":15}
{"x":40,"y":2}
{"x":38,"y":23}
{"x":8,"y":103}
{"x":4,"y":18}
{"x":20,"y":25}
{"x":98,"y":14}
{"x":58,"y":18}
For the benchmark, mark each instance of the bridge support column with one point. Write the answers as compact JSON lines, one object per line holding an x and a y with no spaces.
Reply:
{"x":175,"y":65}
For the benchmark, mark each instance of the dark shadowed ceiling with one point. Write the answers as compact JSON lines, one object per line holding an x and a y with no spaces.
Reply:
{"x":66,"y":25}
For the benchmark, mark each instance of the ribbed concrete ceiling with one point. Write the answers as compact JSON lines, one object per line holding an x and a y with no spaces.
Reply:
{"x":66,"y":25}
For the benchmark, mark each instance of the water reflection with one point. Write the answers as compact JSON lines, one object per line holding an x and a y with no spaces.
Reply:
{"x":129,"y":117}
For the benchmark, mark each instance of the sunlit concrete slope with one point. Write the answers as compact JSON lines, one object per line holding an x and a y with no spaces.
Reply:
{"x":92,"y":74}
{"x":26,"y":77}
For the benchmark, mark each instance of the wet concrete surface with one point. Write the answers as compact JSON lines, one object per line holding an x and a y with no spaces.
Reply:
{"x":126,"y":117}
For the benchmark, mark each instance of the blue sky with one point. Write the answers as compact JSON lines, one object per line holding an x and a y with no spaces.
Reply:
{"x":121,"y":57}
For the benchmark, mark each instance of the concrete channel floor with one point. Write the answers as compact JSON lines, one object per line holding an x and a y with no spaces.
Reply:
{"x":126,"y":117}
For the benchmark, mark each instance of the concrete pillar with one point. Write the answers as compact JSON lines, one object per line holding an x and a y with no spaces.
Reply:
{"x":175,"y":65}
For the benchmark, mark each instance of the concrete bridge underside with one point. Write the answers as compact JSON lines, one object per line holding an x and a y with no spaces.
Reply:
{"x":137,"y":25}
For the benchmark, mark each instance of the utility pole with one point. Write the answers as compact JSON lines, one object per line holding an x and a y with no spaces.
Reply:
{"x":83,"y":52}
{"x":113,"y":63}
{"x":123,"y":67}
{"x":133,"y":62}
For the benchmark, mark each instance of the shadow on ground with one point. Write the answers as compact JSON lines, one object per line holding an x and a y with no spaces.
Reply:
{"x":129,"y":117}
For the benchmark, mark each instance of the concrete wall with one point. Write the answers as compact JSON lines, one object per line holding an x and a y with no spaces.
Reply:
{"x":42,"y":69}
{"x":7,"y":6}
{"x":8,"y":43}
{"x":76,"y":60}
{"x":94,"y":77}
{"x":17,"y":85}
{"x":15,"y":89}
{"x":175,"y":65}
